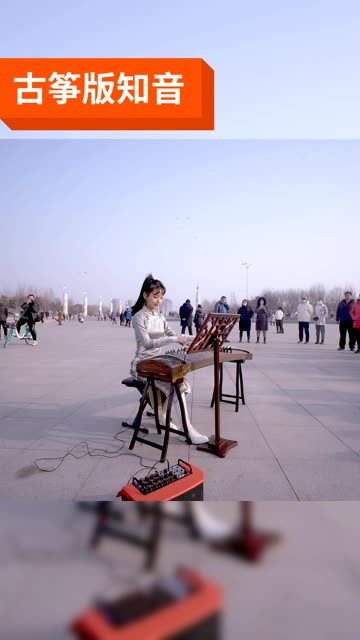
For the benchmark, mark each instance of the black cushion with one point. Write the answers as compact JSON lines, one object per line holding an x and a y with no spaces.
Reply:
{"x":133,"y":382}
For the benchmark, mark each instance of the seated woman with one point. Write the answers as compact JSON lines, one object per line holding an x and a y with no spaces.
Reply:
{"x":151,"y":333}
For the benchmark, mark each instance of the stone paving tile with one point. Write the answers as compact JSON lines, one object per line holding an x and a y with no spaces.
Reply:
{"x":302,"y":443}
{"x":335,"y":477}
{"x":232,"y":478}
{"x":22,"y":433}
{"x":330,"y":414}
{"x":41,"y":410}
{"x":289,"y":415}
{"x":21,"y":480}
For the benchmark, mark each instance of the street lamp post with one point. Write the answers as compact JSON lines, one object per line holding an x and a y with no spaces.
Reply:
{"x":197,"y":297}
{"x":65,"y":303}
{"x":247,"y":266}
{"x":84,"y":274}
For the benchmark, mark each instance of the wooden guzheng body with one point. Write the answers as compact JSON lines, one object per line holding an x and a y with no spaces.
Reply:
{"x":169,"y":368}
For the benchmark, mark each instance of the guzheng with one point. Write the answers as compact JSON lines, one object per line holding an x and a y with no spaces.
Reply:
{"x":170,"y":368}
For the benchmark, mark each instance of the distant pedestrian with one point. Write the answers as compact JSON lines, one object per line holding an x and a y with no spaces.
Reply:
{"x":305,"y":312}
{"x":355,"y":314}
{"x":199,"y":317}
{"x":262,"y":314}
{"x":246,"y":313}
{"x":345,"y":320}
{"x":279,"y":320}
{"x":128,"y":317}
{"x":186,"y":316}
{"x":221,"y":306}
{"x":3,"y":319}
{"x":321,"y":313}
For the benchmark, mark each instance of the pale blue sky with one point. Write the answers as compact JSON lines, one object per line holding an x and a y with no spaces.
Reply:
{"x":190,"y":211}
{"x":283,"y":68}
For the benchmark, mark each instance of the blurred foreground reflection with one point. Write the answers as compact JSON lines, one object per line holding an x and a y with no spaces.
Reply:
{"x":179,"y":571}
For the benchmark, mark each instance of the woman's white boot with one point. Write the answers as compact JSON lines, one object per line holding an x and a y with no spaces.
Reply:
{"x":162,"y":420}
{"x":195,"y":436}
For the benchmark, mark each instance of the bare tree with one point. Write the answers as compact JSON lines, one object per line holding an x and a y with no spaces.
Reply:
{"x":332,"y":298}
{"x":76,"y":309}
{"x":92,"y":310}
{"x":316,"y":292}
{"x":208,"y":305}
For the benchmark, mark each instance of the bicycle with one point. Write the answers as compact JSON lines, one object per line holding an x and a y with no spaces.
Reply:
{"x":12,"y":331}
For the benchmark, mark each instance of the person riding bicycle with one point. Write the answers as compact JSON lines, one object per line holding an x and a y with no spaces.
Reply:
{"x":29,"y":316}
{"x":3,"y":319}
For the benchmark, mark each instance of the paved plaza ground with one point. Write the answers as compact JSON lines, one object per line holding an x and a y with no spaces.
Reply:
{"x":298,"y":434}
{"x":304,"y":587}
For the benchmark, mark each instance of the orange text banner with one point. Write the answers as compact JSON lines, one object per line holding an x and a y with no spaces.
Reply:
{"x":106,"y":93}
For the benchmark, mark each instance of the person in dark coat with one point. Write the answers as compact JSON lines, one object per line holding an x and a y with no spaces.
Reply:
{"x":199,"y":317}
{"x":246,"y":313}
{"x":343,"y":317}
{"x":29,"y":316}
{"x":262,"y":314}
{"x":3,"y":319}
{"x":186,"y":317}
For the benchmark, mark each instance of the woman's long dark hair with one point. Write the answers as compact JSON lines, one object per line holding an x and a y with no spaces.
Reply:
{"x":148,"y":286}
{"x":258,"y":302}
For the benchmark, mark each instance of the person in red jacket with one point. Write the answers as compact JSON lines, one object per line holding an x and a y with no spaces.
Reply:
{"x":355,"y":314}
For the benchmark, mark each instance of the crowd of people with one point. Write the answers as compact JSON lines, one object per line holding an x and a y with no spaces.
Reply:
{"x":124,"y":318}
{"x":347,"y":315}
{"x":29,"y":315}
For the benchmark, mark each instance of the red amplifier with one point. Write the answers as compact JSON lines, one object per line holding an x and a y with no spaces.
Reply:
{"x":179,"y":482}
{"x":185,"y":605}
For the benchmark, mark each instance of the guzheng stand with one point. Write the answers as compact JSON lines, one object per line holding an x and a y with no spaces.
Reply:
{"x":239,"y":386}
{"x":217,"y":445}
{"x":248,"y":542}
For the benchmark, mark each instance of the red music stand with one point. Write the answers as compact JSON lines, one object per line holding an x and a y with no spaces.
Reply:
{"x":213,"y":333}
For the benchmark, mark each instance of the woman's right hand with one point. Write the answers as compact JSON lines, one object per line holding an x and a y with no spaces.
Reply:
{"x":182,"y":340}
